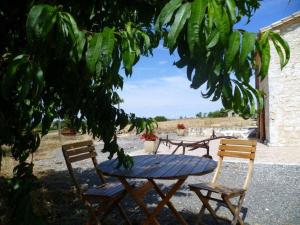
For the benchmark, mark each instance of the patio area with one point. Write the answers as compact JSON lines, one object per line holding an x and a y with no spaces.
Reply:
{"x":272,"y":198}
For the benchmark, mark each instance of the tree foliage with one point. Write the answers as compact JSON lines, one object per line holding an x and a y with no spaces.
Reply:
{"x":62,"y":59}
{"x":160,"y":118}
{"x":218,"y":113}
{"x":216,"y":54}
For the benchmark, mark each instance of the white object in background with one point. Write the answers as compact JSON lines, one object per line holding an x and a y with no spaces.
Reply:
{"x":150,"y":146}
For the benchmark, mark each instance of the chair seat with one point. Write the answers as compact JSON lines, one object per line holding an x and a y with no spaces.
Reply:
{"x":216,"y":188}
{"x":111,"y":189}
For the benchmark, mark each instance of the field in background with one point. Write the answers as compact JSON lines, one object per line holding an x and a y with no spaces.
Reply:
{"x":226,"y":122}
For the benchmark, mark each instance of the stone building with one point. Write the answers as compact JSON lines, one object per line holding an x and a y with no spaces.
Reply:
{"x":279,"y":123}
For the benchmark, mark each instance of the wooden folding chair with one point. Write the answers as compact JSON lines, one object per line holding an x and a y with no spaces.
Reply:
{"x":109,"y":193}
{"x":228,"y":148}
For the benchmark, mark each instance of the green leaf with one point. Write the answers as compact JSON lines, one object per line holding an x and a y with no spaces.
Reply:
{"x":220,"y":18}
{"x":189,"y":71}
{"x":181,"y":16}
{"x":280,"y":44}
{"x":280,"y":53}
{"x":70,"y":31}
{"x":128,"y":56}
{"x":40,"y":22}
{"x":200,"y":77}
{"x":93,"y":54}
{"x":198,"y":8}
{"x":233,"y":49}
{"x":251,"y":101}
{"x":108,"y":45}
{"x":232,"y":9}
{"x":265,"y":59}
{"x":181,"y":63}
{"x":24,"y":89}
{"x":146,"y":40}
{"x":212,"y":39}
{"x":46,"y":122}
{"x":100,"y":49}
{"x":248,"y":107}
{"x":248,"y":45}
{"x":210,"y":91}
{"x":264,"y":38}
{"x":166,"y":13}
{"x":258,"y":95}
{"x":10,"y":77}
{"x":39,"y":81}
{"x":238,"y":103}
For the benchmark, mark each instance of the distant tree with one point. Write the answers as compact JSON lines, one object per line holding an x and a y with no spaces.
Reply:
{"x":160,"y":118}
{"x":218,"y":113}
{"x":199,"y":115}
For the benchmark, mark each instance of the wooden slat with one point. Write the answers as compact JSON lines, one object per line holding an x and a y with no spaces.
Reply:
{"x":188,"y":169}
{"x":164,"y":166}
{"x":237,"y":154}
{"x":217,"y":188}
{"x":77,"y":145}
{"x":78,"y":151}
{"x":156,"y":166}
{"x":237,"y":148}
{"x":109,"y":167}
{"x":82,"y":157}
{"x":170,"y":164}
{"x":238,"y":142}
{"x":143,"y":166}
{"x":202,"y":164}
{"x":172,"y":173}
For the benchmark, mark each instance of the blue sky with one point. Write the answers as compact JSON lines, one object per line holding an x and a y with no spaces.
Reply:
{"x":157,"y":87}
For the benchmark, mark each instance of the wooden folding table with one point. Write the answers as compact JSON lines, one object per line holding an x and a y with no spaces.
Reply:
{"x":159,"y":167}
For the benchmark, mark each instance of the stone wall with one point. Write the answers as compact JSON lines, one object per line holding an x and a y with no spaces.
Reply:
{"x":238,"y":132}
{"x":282,"y":102}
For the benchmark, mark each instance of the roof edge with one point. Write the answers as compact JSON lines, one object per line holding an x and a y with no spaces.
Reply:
{"x":281,"y":22}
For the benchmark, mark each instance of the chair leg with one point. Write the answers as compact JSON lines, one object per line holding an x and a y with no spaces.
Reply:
{"x":202,"y":210}
{"x":93,"y":218}
{"x":235,"y":210}
{"x":106,"y":210}
{"x":110,"y":206}
{"x":124,"y":214}
{"x":205,"y":200}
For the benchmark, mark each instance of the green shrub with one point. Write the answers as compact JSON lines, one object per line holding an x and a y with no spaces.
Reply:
{"x":160,"y":118}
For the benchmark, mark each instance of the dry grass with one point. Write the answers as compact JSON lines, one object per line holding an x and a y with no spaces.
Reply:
{"x":50,"y":142}
{"x":170,"y":126}
{"x":54,"y":141}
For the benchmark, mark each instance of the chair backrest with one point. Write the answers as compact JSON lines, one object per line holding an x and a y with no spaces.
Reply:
{"x":79,"y":151}
{"x":238,"y":149}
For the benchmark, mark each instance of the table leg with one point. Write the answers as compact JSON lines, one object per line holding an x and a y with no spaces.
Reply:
{"x":170,"y":205}
{"x":165,"y":200}
{"x":138,"y":200}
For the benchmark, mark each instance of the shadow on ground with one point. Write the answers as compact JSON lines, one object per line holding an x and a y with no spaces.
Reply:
{"x":59,"y":204}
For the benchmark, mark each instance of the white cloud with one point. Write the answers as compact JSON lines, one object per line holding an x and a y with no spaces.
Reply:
{"x":163,"y":62}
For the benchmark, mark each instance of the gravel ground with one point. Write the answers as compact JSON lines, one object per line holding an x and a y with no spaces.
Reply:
{"x":273,"y":197}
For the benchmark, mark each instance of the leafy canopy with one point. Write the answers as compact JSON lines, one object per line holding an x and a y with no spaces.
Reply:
{"x":217,"y":55}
